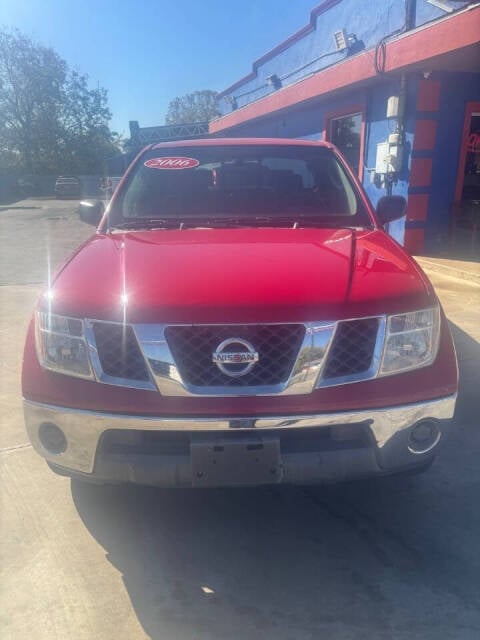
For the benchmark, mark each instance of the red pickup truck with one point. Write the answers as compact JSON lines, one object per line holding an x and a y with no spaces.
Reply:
{"x":240,"y":317}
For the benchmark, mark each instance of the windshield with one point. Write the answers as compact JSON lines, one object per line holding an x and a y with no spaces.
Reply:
{"x":247,"y":183}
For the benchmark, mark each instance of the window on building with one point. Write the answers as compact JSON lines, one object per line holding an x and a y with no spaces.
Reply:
{"x":471,"y":175}
{"x":345,"y":134}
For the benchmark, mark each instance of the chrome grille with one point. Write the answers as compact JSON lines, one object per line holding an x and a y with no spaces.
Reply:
{"x":353,"y":347}
{"x":277,"y":345}
{"x":118,"y":351}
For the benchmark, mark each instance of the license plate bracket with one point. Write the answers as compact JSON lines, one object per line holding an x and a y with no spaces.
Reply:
{"x":235,"y":461}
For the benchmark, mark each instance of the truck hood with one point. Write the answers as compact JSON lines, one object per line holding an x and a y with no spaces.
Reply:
{"x":237,"y":275}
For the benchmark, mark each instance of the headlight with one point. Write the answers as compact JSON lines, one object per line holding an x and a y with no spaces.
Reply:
{"x":61,"y":345}
{"x":411,"y":341}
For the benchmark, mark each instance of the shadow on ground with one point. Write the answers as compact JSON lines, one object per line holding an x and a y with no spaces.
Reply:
{"x":463,"y":250}
{"x":6,"y":200}
{"x":397,"y":557}
{"x":19,"y":208}
{"x":352,"y":561}
{"x":468,"y":354}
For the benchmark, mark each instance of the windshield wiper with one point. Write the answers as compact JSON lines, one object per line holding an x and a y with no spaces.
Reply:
{"x":177,"y":223}
{"x":146,"y":223}
{"x":222,"y":221}
{"x":326,"y":223}
{"x":293,"y":221}
{"x":238,"y":221}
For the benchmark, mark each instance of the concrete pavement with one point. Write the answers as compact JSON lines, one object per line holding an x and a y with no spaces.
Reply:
{"x":460,"y":269}
{"x":393,"y":559}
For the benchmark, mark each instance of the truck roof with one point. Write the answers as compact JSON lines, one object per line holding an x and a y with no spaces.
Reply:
{"x":216,"y":142}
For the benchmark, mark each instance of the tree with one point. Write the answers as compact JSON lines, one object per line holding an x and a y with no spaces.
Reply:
{"x":199,"y":106}
{"x":31,"y":78}
{"x":49,"y":118}
{"x":86,"y":137}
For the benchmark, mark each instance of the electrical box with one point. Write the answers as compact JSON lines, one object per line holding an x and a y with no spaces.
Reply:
{"x":396,"y":106}
{"x":389,"y":155}
{"x":381,"y":163}
{"x":395,"y":157}
{"x":395,"y":152}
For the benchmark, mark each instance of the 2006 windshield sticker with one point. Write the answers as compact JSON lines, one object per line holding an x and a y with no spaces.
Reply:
{"x":176,"y":162}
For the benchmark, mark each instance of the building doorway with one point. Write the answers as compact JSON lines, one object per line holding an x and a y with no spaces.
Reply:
{"x":466,"y":208}
{"x":345,"y":135}
{"x":345,"y":128}
{"x":468,"y":179}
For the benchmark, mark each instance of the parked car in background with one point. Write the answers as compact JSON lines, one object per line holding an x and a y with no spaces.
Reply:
{"x":67,"y":187}
{"x":240,"y":317}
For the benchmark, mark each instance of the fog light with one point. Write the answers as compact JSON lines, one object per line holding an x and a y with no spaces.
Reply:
{"x":52,"y":438}
{"x":424,"y":436}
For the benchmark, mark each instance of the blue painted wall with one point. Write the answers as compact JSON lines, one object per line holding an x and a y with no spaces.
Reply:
{"x":377,"y":129}
{"x":369,"y":21}
{"x":456,"y":90}
{"x":426,"y":12}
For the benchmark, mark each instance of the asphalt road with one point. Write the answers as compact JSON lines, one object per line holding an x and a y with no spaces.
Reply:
{"x":397,"y":558}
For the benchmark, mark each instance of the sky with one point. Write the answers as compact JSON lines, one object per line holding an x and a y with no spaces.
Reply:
{"x":147,"y":52}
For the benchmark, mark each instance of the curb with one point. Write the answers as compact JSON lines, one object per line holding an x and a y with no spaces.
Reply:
{"x":446,"y":270}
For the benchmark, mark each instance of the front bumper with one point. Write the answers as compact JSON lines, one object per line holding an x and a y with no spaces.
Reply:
{"x":176,"y":452}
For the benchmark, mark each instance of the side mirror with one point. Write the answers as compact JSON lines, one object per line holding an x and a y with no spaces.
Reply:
{"x":390,"y":208}
{"x":91,"y":212}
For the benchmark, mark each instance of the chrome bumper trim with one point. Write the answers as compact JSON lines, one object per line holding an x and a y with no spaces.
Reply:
{"x":83,"y":429}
